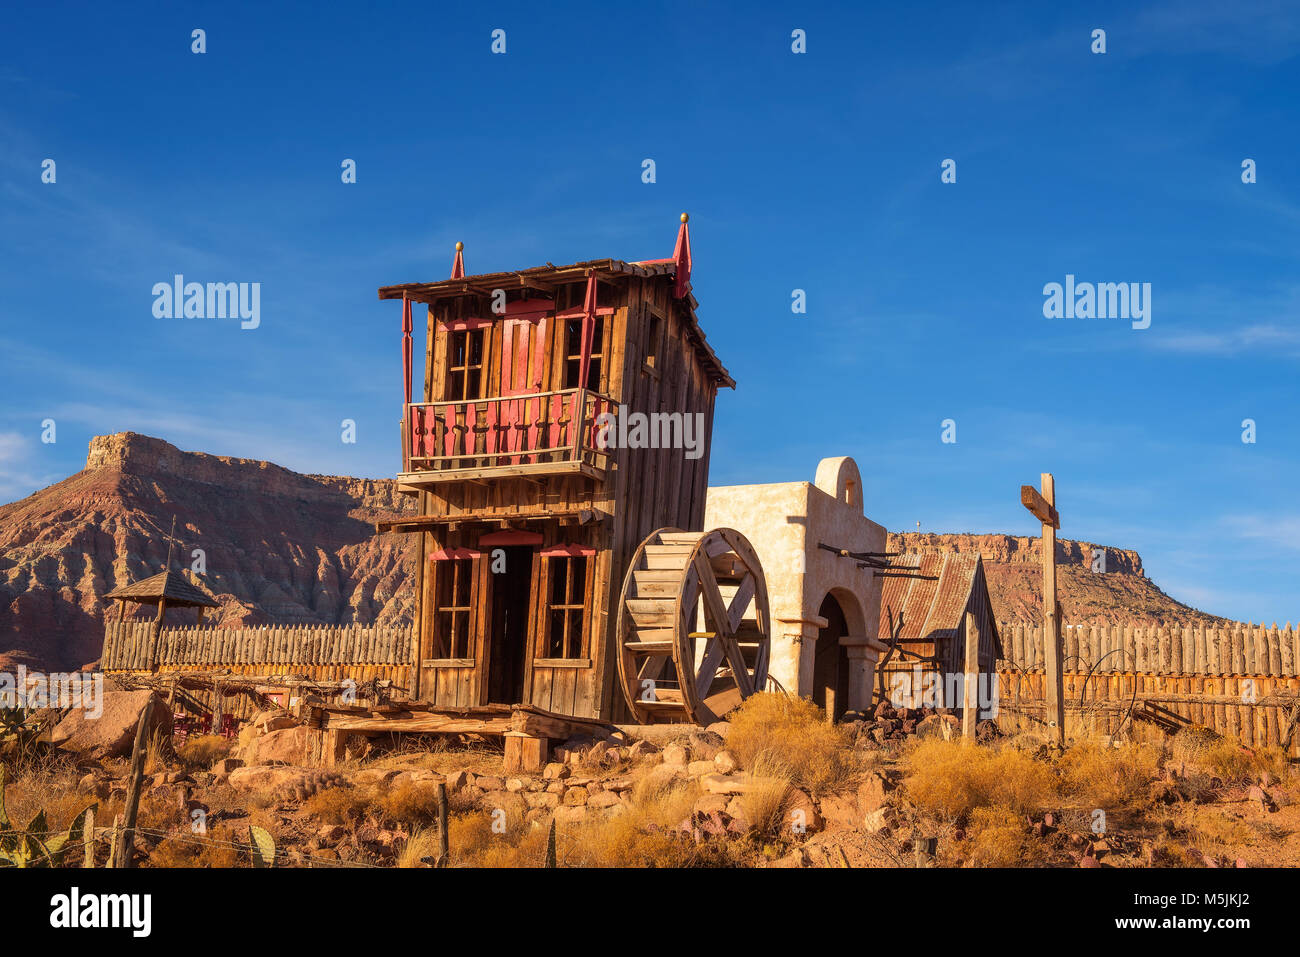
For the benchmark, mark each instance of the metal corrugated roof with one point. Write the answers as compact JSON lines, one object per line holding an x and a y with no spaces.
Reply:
{"x":936,"y":602}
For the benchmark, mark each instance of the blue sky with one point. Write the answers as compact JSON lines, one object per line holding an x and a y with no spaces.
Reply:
{"x":818,"y":171}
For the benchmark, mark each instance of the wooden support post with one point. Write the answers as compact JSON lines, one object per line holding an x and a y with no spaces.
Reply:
{"x":444,"y":839}
{"x":970,"y":702}
{"x":1044,"y":509}
{"x":88,"y":836}
{"x":157,"y":634}
{"x":333,"y":747}
{"x":122,"y":856}
{"x":217,"y":715}
{"x":525,"y":752}
{"x":113,"y":841}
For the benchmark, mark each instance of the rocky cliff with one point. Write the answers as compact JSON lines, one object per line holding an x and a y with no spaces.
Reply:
{"x":1118,"y":592}
{"x":277,"y":546}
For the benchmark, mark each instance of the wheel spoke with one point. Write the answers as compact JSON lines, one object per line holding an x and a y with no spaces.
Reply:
{"x":740,"y":602}
{"x":736,"y":658}
{"x":713,"y":652}
{"x":714,"y":607}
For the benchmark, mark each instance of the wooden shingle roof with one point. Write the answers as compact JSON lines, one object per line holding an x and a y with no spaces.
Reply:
{"x":170,"y":585}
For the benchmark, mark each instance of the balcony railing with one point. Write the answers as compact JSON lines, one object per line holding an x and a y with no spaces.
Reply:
{"x":539,"y":433}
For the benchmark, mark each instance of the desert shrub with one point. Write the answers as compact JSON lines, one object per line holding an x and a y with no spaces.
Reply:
{"x":1108,"y":777}
{"x":409,"y":803}
{"x":215,"y":849}
{"x":338,"y":805}
{"x":161,"y":813}
{"x":792,"y":731}
{"x":997,"y":837}
{"x":519,"y":848}
{"x":205,"y":751}
{"x":949,"y":779}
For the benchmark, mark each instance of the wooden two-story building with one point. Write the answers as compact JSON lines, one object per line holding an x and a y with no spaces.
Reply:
{"x":532,"y":500}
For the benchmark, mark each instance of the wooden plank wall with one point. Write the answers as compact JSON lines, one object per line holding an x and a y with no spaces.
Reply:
{"x":1239,"y":680}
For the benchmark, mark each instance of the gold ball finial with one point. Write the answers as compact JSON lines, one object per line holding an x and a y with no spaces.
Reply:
{"x":459,"y":246}
{"x":685,"y":217}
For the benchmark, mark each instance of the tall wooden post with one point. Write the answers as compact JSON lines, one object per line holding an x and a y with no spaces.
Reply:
{"x":122,"y":856}
{"x":1043,"y":507}
{"x":970,"y":701}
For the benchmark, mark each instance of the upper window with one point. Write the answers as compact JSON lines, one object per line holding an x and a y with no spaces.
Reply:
{"x":573,"y":354}
{"x":465,"y":365}
{"x":654,"y":331}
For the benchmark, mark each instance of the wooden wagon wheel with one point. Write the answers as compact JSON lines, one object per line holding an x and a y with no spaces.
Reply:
{"x":670,"y":669}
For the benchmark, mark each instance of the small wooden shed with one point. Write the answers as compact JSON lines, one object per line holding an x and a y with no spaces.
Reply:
{"x":923,"y":613}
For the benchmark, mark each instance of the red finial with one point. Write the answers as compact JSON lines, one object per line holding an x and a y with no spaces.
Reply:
{"x":682,"y":256}
{"x":458,"y":264}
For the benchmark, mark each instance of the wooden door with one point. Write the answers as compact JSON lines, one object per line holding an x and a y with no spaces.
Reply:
{"x":523,"y":361}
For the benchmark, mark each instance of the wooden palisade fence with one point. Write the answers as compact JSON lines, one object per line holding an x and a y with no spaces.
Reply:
{"x":1240,"y":680}
{"x":321,"y":651}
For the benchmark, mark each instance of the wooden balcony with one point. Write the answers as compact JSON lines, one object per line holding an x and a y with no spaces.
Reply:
{"x":535,"y":435}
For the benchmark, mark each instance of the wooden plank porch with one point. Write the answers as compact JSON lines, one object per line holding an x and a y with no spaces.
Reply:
{"x":527,"y":731}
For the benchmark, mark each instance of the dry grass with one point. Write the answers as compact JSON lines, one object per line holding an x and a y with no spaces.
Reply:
{"x":158,"y":751}
{"x":1111,"y":778}
{"x":950,"y":779}
{"x":435,"y":753}
{"x":764,"y":803}
{"x":422,"y":843}
{"x":336,"y":805}
{"x":48,"y":786}
{"x":645,"y":833}
{"x":793,"y":732}
{"x":202,"y":753}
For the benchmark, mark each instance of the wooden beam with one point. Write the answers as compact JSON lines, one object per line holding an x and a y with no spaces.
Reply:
{"x":1042,"y":509}
{"x":425,"y":523}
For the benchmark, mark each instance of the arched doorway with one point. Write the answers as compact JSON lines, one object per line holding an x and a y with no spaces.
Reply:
{"x":831,"y":664}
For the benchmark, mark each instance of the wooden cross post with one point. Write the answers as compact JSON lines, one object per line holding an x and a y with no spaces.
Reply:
{"x":1043,"y":507}
{"x":970,"y":699}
